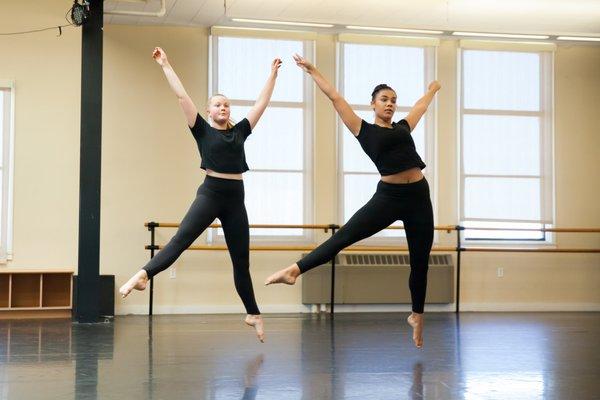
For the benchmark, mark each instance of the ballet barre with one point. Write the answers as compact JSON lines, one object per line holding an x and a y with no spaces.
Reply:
{"x":330,"y":227}
{"x":459,"y":248}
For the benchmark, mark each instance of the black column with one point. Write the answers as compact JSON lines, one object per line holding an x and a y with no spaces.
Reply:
{"x":88,"y":281}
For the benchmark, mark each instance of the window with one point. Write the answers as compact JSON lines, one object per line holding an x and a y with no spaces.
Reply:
{"x":506,"y":143}
{"x":408,"y":70}
{"x":6,"y":168}
{"x":278,"y":185}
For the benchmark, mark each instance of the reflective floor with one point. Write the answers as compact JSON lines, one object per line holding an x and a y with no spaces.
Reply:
{"x":358,"y":356}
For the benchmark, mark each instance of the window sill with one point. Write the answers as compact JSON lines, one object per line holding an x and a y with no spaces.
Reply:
{"x":509,"y":243}
{"x":9,"y":257}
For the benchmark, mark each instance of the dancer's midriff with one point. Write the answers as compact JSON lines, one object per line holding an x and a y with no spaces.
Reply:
{"x":222,"y":175}
{"x":408,"y":176}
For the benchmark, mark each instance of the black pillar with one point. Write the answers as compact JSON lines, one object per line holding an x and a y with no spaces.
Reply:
{"x":88,"y":281}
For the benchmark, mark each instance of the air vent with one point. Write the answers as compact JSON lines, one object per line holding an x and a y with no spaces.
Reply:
{"x":389,"y":259}
{"x":374,"y":278}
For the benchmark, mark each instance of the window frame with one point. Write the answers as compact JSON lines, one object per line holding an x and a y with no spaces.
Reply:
{"x":7,"y":166}
{"x":430,"y":129}
{"x":546,"y":118}
{"x":215,"y":235}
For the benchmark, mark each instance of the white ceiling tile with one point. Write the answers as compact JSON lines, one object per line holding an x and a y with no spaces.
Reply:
{"x":211,"y":13}
{"x":510,"y":16}
{"x":180,"y":11}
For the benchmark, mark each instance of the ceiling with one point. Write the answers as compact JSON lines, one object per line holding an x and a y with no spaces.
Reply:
{"x":554,"y":17}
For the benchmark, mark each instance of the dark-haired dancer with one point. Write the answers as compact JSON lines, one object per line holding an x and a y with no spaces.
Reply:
{"x":402,"y":193}
{"x":221,"y":145}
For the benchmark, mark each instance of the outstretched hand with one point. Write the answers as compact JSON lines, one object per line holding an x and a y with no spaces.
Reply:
{"x":434,"y":86}
{"x":303,"y":63}
{"x":275,"y":66}
{"x":160,"y":56}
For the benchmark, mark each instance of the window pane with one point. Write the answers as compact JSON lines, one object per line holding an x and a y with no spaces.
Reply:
{"x":2,"y":204}
{"x":366,"y":66}
{"x":4,"y":110}
{"x":277,"y":141}
{"x":504,"y":145}
{"x":501,"y":80}
{"x":502,"y":198}
{"x":418,"y":135}
{"x":501,"y":145}
{"x":360,"y":76}
{"x":358,"y":190}
{"x":274,"y":198}
{"x":4,"y":100}
{"x":245,"y":64}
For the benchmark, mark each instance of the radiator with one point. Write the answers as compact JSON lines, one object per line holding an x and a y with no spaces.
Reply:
{"x":368,"y":278}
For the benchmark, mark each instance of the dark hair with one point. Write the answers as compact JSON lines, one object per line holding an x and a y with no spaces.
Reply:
{"x":379,"y":88}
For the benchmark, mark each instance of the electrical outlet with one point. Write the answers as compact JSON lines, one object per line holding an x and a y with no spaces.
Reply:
{"x":500,"y":272}
{"x":172,"y":273}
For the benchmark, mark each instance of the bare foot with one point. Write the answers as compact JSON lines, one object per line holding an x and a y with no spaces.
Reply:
{"x":287,"y":276}
{"x":256,"y":321}
{"x":137,"y":282}
{"x":252,"y":368}
{"x":416,"y":321}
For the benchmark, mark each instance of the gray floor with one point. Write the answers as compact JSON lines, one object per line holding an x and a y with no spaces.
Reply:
{"x":359,"y":356}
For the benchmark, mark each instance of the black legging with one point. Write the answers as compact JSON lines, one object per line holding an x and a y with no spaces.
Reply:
{"x":408,"y":202}
{"x":223,"y":199}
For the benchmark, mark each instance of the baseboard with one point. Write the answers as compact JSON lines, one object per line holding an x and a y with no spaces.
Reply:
{"x":529,"y":307}
{"x":358,"y":308}
{"x":369,"y":308}
{"x":277,"y":309}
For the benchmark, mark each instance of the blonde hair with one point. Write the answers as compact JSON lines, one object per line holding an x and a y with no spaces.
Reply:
{"x":230,"y":122}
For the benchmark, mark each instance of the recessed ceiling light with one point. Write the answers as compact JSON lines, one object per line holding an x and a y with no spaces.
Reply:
{"x":501,"y":35}
{"x":270,"y":22}
{"x":377,"y":28}
{"x":587,"y":39}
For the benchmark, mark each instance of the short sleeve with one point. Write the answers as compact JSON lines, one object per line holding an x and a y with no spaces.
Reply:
{"x":244,"y":128}
{"x":199,"y":128}
{"x":404,"y":124}
{"x":364,"y":128}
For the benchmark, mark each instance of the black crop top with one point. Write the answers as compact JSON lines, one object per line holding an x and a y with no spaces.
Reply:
{"x":391,"y":149}
{"x":222,"y":150}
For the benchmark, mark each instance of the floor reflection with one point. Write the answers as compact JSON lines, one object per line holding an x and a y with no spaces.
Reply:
{"x":307,"y":357}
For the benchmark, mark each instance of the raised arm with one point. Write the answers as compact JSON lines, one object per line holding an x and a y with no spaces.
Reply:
{"x":349,"y":117}
{"x":420,"y":107}
{"x":265,"y":95}
{"x":188,"y":107}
